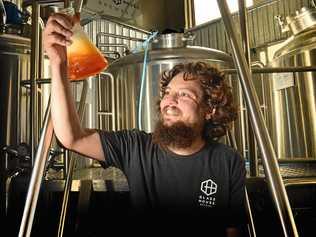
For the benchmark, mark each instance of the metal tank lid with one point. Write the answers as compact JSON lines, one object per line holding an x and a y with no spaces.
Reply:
{"x":297,"y":43}
{"x":303,"y":20}
{"x":303,"y":29}
{"x":169,"y":48}
{"x":172,"y":40}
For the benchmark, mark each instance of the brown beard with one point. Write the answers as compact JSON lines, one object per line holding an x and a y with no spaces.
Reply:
{"x":177,"y":135}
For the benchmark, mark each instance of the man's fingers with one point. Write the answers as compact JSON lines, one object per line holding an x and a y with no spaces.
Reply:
{"x":59,"y":29}
{"x":55,"y":38}
{"x":62,"y":19}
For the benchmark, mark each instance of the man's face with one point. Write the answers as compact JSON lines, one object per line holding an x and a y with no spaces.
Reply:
{"x":182,"y":115}
{"x":182,"y":102}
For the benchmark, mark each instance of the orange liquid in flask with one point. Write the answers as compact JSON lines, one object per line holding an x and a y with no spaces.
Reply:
{"x":84,"y":58}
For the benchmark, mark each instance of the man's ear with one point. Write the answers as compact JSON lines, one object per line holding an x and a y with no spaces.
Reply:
{"x":209,"y":114}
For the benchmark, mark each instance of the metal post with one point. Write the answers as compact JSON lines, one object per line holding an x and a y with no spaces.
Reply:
{"x":107,"y":113}
{"x":252,"y":148}
{"x":34,"y":76}
{"x":188,"y":14}
{"x":37,"y":175}
{"x":244,"y":29}
{"x":71,"y":159}
{"x":274,"y":69}
{"x":250,"y":225}
{"x":276,"y":185}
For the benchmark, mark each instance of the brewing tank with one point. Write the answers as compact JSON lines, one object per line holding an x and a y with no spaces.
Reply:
{"x":166,"y":51}
{"x":15,"y":64}
{"x":294,"y":94}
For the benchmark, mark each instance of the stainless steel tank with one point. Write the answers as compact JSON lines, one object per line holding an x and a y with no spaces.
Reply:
{"x":293,"y":128}
{"x":120,"y":97}
{"x":15,"y":64}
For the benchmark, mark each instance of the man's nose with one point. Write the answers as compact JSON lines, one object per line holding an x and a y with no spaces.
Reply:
{"x":172,"y":97}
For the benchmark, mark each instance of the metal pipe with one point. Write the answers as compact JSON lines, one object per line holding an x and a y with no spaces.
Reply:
{"x":99,"y":99}
{"x":96,"y":16}
{"x":114,"y":121}
{"x":188,"y":12}
{"x":191,"y":12}
{"x":231,"y":140}
{"x":116,"y":55}
{"x":254,"y":166}
{"x":112,"y":99}
{"x":244,"y":29}
{"x":275,"y":70}
{"x":65,"y":158}
{"x":37,"y":175}
{"x":295,"y":160}
{"x":67,"y":188}
{"x":252,"y":146}
{"x":186,"y":15}
{"x":276,"y":185}
{"x":101,"y":112}
{"x":301,"y":181}
{"x":78,"y":6}
{"x":34,"y":75}
{"x":114,"y":45}
{"x":227,"y":71}
{"x":251,"y":225}
{"x":118,"y":37}
{"x":72,"y":161}
{"x":38,"y":81}
{"x":118,"y":103}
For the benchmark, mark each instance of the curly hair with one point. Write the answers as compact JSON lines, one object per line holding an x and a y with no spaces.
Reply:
{"x":217,"y":95}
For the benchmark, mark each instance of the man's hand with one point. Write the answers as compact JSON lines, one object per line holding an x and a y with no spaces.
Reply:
{"x":56,"y":36}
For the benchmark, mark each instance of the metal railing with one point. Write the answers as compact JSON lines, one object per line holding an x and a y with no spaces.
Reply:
{"x":101,"y":113}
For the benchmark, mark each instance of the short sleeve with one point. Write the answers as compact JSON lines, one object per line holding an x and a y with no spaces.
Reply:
{"x":116,"y":147}
{"x":123,"y":148}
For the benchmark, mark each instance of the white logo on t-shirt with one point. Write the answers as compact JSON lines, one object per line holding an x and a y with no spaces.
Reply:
{"x":208,"y":187}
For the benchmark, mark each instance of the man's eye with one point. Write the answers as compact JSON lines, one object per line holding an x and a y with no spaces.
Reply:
{"x":184,"y":94}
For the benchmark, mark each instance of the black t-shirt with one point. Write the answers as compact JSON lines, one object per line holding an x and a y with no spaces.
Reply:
{"x":209,"y":183}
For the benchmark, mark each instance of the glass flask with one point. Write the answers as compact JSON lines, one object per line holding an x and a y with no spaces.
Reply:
{"x":84,"y":58}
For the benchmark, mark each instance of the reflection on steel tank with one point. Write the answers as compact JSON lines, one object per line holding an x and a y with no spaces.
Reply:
{"x":165,"y":51}
{"x":293,"y":127}
{"x":14,"y":106}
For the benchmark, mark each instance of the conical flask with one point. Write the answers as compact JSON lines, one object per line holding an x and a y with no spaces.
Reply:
{"x":84,"y":58}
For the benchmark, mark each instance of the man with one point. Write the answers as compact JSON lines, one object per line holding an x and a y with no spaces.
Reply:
{"x":178,"y":174}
